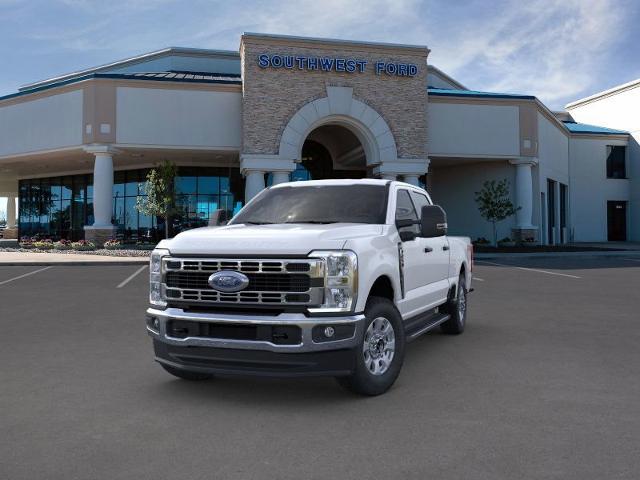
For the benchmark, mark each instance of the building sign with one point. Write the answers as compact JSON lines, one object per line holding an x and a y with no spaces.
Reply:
{"x":335,"y":64}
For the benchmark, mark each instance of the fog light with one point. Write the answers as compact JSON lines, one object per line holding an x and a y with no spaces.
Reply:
{"x":153,"y":323}
{"x":329,"y":332}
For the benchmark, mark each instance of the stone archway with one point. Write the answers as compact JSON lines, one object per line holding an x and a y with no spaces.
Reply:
{"x":340,"y":108}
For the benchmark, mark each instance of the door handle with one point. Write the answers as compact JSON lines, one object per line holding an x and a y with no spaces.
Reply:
{"x":428,"y":249}
{"x":445,"y":247}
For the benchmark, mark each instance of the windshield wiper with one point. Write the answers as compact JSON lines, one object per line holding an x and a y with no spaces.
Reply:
{"x":259,"y":223}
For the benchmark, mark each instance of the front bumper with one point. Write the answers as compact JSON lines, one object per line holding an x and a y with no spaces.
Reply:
{"x":262,"y":363}
{"x":308,"y":354}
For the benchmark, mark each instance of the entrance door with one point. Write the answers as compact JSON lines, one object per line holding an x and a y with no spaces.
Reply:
{"x":333,"y":151}
{"x":617,"y":221}
{"x":543,"y":219}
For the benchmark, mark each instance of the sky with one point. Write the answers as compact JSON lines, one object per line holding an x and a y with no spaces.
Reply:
{"x":558,"y":50}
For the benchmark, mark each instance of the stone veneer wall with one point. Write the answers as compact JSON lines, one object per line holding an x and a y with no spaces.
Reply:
{"x":271,"y":96}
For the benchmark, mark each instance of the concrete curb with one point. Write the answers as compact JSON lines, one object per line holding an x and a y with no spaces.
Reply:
{"x":617,"y":253}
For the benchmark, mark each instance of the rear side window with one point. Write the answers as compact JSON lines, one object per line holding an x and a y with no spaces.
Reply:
{"x":419,"y":201}
{"x":405,"y":210}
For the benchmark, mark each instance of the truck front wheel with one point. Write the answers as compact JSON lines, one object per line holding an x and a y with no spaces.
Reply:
{"x":380,"y":353}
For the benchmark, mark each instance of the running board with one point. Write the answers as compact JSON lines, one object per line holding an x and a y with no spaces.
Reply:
{"x":423,"y":323}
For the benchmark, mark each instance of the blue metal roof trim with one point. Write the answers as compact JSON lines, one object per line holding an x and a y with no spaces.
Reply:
{"x":228,"y":79}
{"x":445,"y":92}
{"x":575,"y":127}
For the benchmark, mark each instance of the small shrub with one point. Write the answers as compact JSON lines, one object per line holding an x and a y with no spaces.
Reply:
{"x":83,"y":245}
{"x":481,"y":241}
{"x":145,"y":246}
{"x":43,"y":244}
{"x":26,"y":242}
{"x":62,"y":245}
{"x":112,"y":244}
{"x":505,"y":240}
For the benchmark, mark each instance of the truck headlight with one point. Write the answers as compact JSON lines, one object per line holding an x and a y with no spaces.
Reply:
{"x":155,"y":278}
{"x":340,"y":280}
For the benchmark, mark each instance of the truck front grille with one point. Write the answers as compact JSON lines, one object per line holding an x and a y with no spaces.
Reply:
{"x":258,"y":282}
{"x":273,"y":282}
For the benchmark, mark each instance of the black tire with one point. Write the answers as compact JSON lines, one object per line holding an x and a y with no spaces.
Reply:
{"x":455,"y":325}
{"x":186,"y":374}
{"x":363,"y":381}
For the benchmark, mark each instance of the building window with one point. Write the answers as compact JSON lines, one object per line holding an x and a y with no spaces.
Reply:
{"x":131,"y":225}
{"x":616,"y":161}
{"x":56,"y":207}
{"x":202,"y":193}
{"x":60,"y":207}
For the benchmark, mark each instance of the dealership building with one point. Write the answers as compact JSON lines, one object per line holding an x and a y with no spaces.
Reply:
{"x":75,"y":149}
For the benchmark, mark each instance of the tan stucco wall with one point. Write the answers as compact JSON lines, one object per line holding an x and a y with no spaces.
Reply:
{"x":272,"y":96}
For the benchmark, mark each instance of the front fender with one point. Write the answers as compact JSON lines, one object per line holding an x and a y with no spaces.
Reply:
{"x":377,"y":256}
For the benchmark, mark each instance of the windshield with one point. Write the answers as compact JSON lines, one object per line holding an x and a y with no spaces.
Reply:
{"x":317,"y":204}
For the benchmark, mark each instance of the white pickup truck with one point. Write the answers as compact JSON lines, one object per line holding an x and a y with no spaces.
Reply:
{"x":327,"y":277}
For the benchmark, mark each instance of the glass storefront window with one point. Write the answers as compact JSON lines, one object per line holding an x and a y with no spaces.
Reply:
{"x":186,"y":185}
{"x":60,"y":207}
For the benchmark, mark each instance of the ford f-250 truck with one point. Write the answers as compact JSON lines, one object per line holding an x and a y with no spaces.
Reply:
{"x":328,"y":277}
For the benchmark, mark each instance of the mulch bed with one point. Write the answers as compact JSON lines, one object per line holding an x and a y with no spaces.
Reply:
{"x":103,"y":252}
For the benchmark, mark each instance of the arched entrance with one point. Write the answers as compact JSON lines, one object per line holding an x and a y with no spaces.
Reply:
{"x":333,"y":151}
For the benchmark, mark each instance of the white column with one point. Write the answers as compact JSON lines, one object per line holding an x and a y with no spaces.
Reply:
{"x":102,"y":190}
{"x":254,"y":183}
{"x":11,"y":212}
{"x":524,"y":192}
{"x":280,"y":177}
{"x":412,"y":179}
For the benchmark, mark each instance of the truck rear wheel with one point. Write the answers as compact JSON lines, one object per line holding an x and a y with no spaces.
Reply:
{"x":457,"y":308}
{"x":186,"y":374}
{"x":380,"y":353}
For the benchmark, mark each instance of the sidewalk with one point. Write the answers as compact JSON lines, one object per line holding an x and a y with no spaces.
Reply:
{"x":35,"y":259}
{"x":593,"y":253}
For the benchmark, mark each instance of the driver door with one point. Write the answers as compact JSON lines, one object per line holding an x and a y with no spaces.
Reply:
{"x":418,"y":277}
{"x":436,"y":258}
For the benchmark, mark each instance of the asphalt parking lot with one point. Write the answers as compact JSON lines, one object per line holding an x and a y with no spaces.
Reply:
{"x":545,"y":383}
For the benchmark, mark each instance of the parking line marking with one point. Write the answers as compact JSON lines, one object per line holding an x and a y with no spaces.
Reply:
{"x":131,"y":277}
{"x":25,"y":275}
{"x":478,"y":279}
{"x":529,"y":269}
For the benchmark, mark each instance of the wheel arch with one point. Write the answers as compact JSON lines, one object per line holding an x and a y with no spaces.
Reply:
{"x":382,"y":287}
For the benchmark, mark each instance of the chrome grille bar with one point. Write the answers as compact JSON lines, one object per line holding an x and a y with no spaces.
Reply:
{"x":272,"y":281}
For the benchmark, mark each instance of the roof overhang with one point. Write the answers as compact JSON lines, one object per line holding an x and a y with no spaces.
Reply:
{"x":145,"y":57}
{"x":605,"y":93}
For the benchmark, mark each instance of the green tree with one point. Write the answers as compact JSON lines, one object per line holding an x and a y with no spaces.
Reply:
{"x":494,"y":203}
{"x":160,"y":199}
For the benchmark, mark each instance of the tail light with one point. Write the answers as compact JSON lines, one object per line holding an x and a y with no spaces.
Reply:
{"x":470,"y":256}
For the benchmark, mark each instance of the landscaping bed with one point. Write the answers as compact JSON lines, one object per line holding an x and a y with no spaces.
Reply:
{"x":111,"y":248}
{"x":123,"y":252}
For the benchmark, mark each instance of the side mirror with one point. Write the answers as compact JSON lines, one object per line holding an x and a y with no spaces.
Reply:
{"x":433,"y":222}
{"x":217,"y":218}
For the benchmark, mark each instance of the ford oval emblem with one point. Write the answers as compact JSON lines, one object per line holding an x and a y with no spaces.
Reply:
{"x":228,"y":281}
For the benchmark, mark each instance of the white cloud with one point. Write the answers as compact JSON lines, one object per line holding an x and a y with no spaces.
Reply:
{"x":553,"y":49}
{"x":548,"y":48}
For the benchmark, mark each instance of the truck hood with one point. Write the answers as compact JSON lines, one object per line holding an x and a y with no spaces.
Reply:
{"x":279,"y":239}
